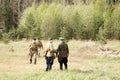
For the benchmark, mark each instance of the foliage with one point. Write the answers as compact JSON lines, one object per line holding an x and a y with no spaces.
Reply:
{"x":101,"y":36}
{"x":70,"y":21}
{"x":6,"y":38}
{"x":57,"y":20}
{"x":116,"y":22}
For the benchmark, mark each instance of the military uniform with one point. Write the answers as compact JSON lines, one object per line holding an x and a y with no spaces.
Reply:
{"x":63,"y":53}
{"x":33,"y":51}
{"x":39,"y":45}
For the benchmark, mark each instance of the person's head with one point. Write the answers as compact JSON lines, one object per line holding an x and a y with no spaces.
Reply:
{"x":38,"y":38}
{"x":50,"y":39}
{"x":61,"y":39}
{"x":34,"y":39}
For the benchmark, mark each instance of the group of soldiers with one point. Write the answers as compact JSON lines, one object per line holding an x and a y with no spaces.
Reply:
{"x":62,"y":52}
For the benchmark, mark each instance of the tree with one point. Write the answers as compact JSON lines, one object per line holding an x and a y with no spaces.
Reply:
{"x":108,"y":24}
{"x":116,"y":22}
{"x":101,"y":36}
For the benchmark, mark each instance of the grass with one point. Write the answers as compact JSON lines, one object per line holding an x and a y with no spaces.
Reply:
{"x":14,"y":63}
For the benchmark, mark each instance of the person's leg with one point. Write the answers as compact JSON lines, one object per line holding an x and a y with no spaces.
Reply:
{"x":49,"y":66}
{"x":65,"y":60}
{"x":30,"y":60}
{"x":35,"y":60}
{"x":47,"y":62}
{"x":31,"y":56}
{"x":51,"y":62}
{"x":61,"y":64}
{"x":38,"y":52}
{"x":65,"y":65}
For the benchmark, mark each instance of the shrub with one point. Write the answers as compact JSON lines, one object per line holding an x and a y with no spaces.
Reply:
{"x":6,"y":38}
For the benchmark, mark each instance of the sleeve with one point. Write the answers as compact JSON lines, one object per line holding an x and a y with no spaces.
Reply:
{"x":30,"y":45}
{"x":58,"y":50}
{"x":41,"y":45}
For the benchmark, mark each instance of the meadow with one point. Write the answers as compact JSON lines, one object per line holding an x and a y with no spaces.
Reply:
{"x":85,"y":62}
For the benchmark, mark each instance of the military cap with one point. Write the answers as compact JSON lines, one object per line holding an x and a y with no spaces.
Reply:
{"x":34,"y":38}
{"x":61,"y":38}
{"x":50,"y":39}
{"x":38,"y":38}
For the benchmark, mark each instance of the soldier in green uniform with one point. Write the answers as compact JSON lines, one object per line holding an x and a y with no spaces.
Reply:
{"x":39,"y":45}
{"x":63,"y":53}
{"x":33,"y":51}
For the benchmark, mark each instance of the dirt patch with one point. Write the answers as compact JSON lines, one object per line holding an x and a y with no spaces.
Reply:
{"x":86,"y":52}
{"x":95,"y":51}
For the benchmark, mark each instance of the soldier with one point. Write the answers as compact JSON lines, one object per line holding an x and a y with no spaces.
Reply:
{"x":49,"y":56}
{"x":39,"y":45}
{"x":33,"y":51}
{"x":63,"y":53}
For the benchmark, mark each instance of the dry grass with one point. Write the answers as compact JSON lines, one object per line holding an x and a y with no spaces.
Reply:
{"x":85,"y":63}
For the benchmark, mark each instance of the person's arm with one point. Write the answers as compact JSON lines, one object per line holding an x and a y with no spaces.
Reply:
{"x":57,"y":50}
{"x":41,"y":45}
{"x":47,"y":49}
{"x":46,"y":53}
{"x":30,"y":45}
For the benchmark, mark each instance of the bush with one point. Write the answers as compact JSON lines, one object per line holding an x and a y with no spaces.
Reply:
{"x":6,"y":38}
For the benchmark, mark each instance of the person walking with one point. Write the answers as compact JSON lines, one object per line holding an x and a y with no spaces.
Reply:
{"x":63,"y":53}
{"x":49,"y":55}
{"x":33,"y":51}
{"x":39,"y":45}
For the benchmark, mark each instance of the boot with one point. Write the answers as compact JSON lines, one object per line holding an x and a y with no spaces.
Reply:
{"x":30,"y":61}
{"x":66,"y":66}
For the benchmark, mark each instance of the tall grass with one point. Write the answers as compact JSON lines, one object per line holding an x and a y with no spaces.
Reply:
{"x":14,"y":65}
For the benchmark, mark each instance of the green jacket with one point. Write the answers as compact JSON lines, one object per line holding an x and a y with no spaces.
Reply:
{"x":63,"y":50}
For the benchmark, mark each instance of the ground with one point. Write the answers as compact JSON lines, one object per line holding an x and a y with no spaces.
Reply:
{"x":85,"y":62}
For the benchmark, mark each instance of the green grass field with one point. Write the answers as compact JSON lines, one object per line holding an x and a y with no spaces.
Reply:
{"x":85,"y":63}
